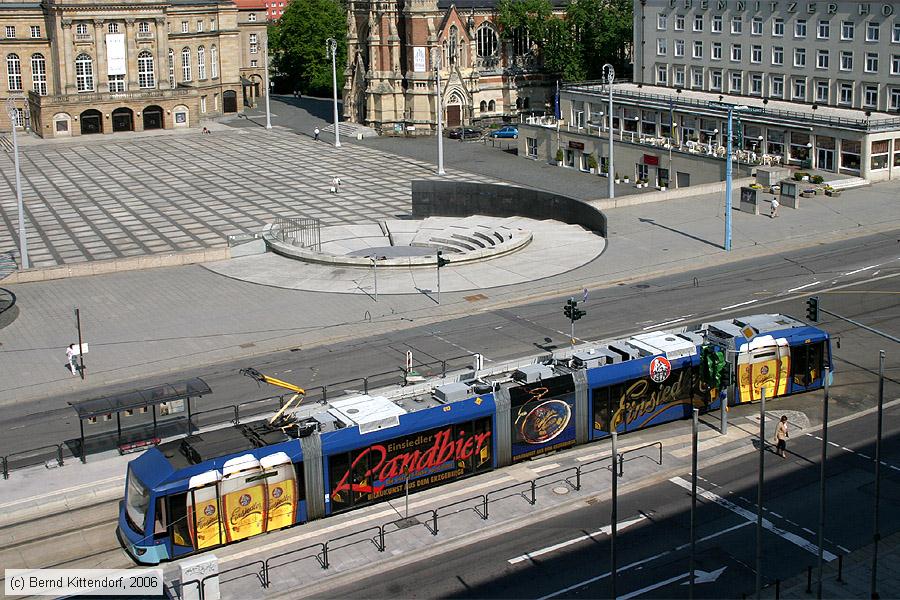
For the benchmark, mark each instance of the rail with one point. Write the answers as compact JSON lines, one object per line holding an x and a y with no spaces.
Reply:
{"x":39,"y":455}
{"x":478,"y":503}
{"x":299,"y":231}
{"x":867,"y":124}
{"x":261,"y":575}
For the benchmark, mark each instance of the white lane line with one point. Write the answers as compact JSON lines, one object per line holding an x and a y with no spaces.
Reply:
{"x":784,"y":534}
{"x":663,"y":324}
{"x":844,"y":550}
{"x":604,"y":576}
{"x":716,"y":534}
{"x":866,"y":456}
{"x":803,"y":287}
{"x":809,"y":531}
{"x":847,"y":449}
{"x":739,"y":304}
{"x":833,"y":444}
{"x":545,"y":467}
{"x":861,"y":270}
{"x":775,"y":514}
{"x":605,"y":530}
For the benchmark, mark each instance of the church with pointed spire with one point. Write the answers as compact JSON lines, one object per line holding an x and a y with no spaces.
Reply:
{"x":395,"y":46}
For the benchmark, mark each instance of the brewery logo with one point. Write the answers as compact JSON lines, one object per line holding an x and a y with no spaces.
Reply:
{"x":210,"y":510}
{"x":660,"y":369}
{"x":244,"y":499}
{"x":277,"y":492}
{"x":545,"y":421}
{"x":764,"y":370}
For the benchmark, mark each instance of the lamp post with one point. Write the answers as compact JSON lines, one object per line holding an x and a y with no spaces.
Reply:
{"x":728,"y":151}
{"x":436,"y":65}
{"x":610,"y":78}
{"x":268,"y":87}
{"x":23,"y":243}
{"x":809,"y":155}
{"x":331,"y":49}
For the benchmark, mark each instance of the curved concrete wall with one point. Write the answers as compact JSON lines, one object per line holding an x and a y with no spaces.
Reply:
{"x":461,"y":199}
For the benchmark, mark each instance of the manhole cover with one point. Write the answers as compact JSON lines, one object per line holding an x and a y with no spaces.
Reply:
{"x":561,"y":490}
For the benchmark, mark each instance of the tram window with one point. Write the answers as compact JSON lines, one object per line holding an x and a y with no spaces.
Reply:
{"x":806,"y":363}
{"x":301,"y":481}
{"x":160,"y":519}
{"x":178,"y":519}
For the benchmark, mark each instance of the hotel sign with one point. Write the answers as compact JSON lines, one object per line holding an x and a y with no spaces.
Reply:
{"x":811,"y":8}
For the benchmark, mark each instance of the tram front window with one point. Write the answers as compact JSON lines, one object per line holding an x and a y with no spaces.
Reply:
{"x":137,"y":499}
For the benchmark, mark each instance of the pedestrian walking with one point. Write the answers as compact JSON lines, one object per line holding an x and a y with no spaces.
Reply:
{"x":336,"y":183}
{"x":774,"y":211}
{"x":71,"y":359}
{"x":781,"y":436}
{"x":316,"y":134}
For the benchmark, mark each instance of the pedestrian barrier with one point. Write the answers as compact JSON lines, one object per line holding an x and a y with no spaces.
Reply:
{"x":30,"y":458}
{"x":477,"y":503}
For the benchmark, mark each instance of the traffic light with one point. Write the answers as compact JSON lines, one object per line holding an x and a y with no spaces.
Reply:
{"x":578,"y":314}
{"x":812,"y":309}
{"x":441,"y":261}
{"x":569,"y":309}
{"x":725,"y":376}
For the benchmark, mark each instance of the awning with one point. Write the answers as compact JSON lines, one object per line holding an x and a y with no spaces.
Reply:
{"x":116,"y":403}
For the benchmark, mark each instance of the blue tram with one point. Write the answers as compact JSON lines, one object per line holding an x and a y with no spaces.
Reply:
{"x":220,"y":486}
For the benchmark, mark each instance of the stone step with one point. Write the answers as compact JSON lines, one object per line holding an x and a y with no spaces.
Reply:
{"x":848,"y":183}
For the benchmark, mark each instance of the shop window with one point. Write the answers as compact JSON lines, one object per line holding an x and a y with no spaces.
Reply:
{"x":532,"y":147}
{"x":879,"y":154}
{"x":897,"y":152}
{"x":850,"y":154}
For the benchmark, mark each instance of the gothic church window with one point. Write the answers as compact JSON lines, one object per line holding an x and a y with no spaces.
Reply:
{"x":453,"y":47}
{"x":486,"y":41}
{"x":521,"y":41}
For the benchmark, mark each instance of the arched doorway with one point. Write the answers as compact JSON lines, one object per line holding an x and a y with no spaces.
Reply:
{"x":454,"y":110}
{"x":153,"y":117}
{"x":91,"y":122}
{"x":229,"y":101}
{"x":122,"y":120}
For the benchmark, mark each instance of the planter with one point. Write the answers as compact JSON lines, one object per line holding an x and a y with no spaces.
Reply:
{"x":807,"y":194}
{"x":662,"y":188}
{"x":593,"y":171}
{"x":819,"y":191}
{"x":618,"y":180}
{"x":559,"y":163}
{"x":833,"y":193}
{"x":627,"y":180}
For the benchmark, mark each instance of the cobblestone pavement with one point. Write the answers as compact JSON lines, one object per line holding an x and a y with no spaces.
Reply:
{"x":142,"y":195}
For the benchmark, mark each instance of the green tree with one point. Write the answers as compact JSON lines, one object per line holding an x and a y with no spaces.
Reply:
{"x":299,"y":48}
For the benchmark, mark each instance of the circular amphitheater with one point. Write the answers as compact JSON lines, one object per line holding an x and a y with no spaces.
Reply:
{"x":399,"y":256}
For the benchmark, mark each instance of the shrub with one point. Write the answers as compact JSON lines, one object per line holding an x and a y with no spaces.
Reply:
{"x":799,"y":175}
{"x":592,"y":161}
{"x":559,"y":155}
{"x":816,"y":179}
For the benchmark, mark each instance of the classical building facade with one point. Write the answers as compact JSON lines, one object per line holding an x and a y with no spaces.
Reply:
{"x":393,"y":48}
{"x":98,"y":67}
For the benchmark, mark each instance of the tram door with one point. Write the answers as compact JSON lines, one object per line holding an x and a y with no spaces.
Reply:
{"x":605,"y":404}
{"x":807,"y":366}
{"x":763,"y":364}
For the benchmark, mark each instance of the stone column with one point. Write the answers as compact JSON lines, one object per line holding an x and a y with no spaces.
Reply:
{"x":100,"y":48}
{"x":67,"y":85}
{"x":162,"y":54}
{"x":131,"y":56}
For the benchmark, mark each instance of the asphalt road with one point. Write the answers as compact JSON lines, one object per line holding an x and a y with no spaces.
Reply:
{"x":772,"y":284}
{"x":653,"y":554}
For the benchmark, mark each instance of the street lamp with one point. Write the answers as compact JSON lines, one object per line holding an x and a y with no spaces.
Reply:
{"x":610,"y":78}
{"x":728,"y":150}
{"x":436,"y":65}
{"x":331,"y":49}
{"x":715,"y":137}
{"x":13,"y":119}
{"x":268,"y":87}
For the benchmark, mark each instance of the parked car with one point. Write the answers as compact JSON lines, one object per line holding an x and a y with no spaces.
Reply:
{"x":507,"y":131}
{"x":463,"y":133}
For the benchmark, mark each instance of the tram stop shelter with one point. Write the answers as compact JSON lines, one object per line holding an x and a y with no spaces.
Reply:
{"x":148,"y":414}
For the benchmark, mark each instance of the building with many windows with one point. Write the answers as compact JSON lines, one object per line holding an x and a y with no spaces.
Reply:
{"x":95,"y":66}
{"x":811,"y":84}
{"x":393,"y":48}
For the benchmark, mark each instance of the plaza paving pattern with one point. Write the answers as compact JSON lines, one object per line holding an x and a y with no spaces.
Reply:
{"x":87,"y":200}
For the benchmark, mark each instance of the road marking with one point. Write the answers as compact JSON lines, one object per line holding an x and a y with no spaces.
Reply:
{"x":604,"y":576}
{"x":803,"y":287}
{"x":715,"y":535}
{"x":784,"y":534}
{"x":863,"y":269}
{"x":545,"y":467}
{"x":739,"y":304}
{"x":663,"y":324}
{"x":699,"y":577}
{"x":605,"y":530}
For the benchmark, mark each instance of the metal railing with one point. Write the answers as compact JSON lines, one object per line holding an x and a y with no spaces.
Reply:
{"x":35,"y":456}
{"x":299,"y":231}
{"x":595,"y":88}
{"x":377,"y":534}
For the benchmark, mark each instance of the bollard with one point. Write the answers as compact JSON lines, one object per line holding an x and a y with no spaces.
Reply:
{"x":325,"y":556}
{"x":5,"y":468}
{"x":485,"y":507}
{"x":59,"y":455}
{"x":434,"y":516}
{"x":365,"y":385}
{"x":809,"y":579}
{"x":578,"y":479}
{"x":840,"y":568}
{"x":324,"y":394}
{"x":381,"y":538}
{"x":777,"y":589}
{"x":533,"y":499}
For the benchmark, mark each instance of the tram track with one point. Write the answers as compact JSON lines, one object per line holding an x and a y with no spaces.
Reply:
{"x":83,"y":537}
